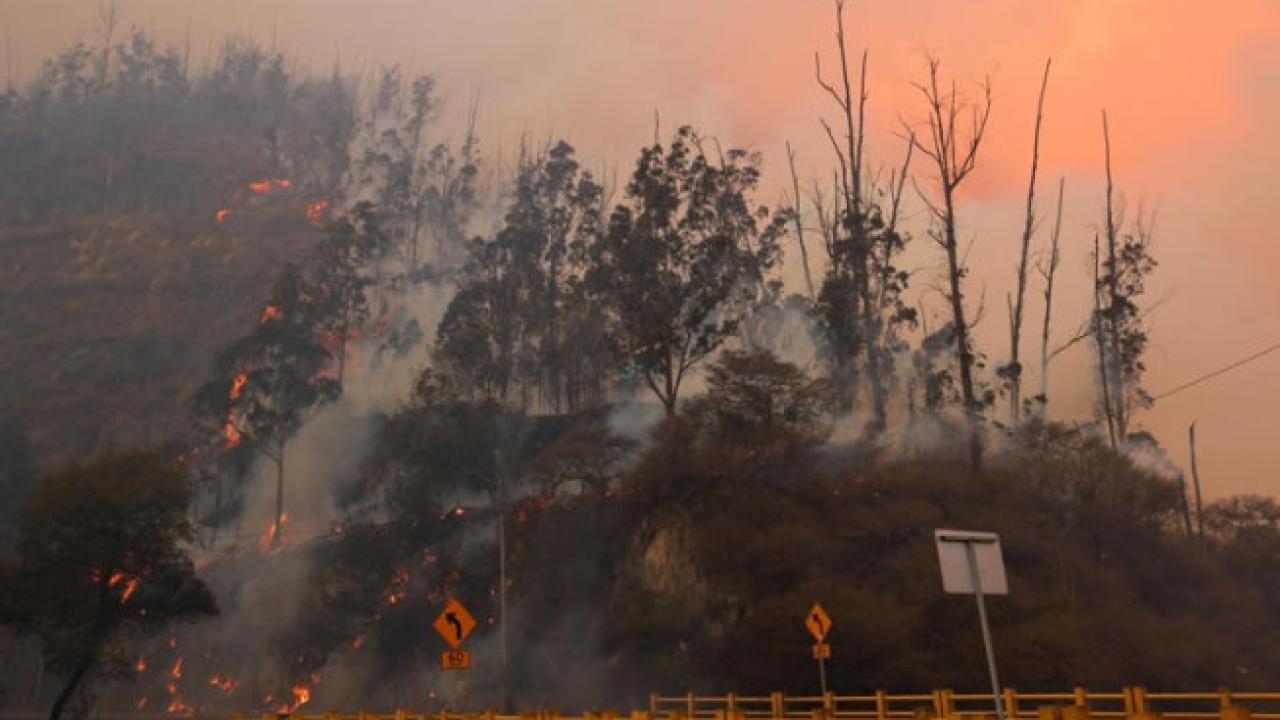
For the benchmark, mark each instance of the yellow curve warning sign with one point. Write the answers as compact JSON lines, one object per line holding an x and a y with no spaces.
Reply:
{"x":818,"y":623}
{"x":454,"y":623}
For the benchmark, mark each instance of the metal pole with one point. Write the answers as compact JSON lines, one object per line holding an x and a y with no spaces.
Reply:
{"x":986,"y":629}
{"x":822,"y":675}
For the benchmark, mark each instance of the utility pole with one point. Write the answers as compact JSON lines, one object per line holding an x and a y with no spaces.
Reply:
{"x":1195,"y":478}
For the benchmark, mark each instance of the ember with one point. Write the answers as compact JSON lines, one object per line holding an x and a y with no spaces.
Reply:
{"x":269,"y":313}
{"x":232,"y":435}
{"x":225,"y":684}
{"x":130,"y":584}
{"x":399,"y":587}
{"x":237,"y":385}
{"x":316,"y":213}
{"x":266,"y":186}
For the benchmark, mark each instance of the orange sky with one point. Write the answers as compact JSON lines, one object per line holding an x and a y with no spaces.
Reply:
{"x":1192,"y":90}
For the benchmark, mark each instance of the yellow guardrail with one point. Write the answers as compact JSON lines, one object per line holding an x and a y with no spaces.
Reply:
{"x":1133,"y":703}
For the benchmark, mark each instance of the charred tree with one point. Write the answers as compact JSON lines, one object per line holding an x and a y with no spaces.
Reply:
{"x":1013,"y":371}
{"x":954,"y":157}
{"x":1048,"y":270}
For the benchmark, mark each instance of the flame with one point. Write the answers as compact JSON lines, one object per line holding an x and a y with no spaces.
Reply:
{"x":225,"y":684}
{"x":141,"y":665}
{"x":237,"y":385}
{"x":142,"y":702}
{"x":269,"y":313}
{"x":301,"y":696}
{"x":178,"y":707}
{"x":176,"y":672}
{"x":130,"y":584}
{"x":316,"y":212}
{"x":173,"y":641}
{"x":358,"y":642}
{"x":399,"y":588}
{"x":231,"y":434}
{"x":269,"y":542}
{"x":266,"y":186}
{"x":222,"y":215}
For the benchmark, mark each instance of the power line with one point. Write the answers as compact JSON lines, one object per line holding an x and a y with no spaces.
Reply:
{"x":1217,"y":372}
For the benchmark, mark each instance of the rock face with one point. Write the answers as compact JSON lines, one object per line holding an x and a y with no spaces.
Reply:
{"x":107,"y":324}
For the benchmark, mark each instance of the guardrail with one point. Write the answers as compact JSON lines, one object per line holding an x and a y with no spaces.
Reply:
{"x":1135,"y":703}
{"x":1132,"y":703}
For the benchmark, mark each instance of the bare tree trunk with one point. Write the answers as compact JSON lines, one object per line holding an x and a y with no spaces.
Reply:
{"x":1113,"y":297}
{"x":1100,"y":339}
{"x":277,"y":528}
{"x":804,"y":251}
{"x":1015,"y":314}
{"x":954,"y":158}
{"x":97,"y":635}
{"x":73,"y":682}
{"x":1195,"y":477}
{"x":1048,"y":272}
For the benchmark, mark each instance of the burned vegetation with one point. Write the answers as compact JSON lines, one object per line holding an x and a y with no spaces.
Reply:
{"x":375,"y":370}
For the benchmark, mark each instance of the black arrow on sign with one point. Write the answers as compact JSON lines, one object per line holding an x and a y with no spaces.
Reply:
{"x":453,"y":620}
{"x":817,"y":620}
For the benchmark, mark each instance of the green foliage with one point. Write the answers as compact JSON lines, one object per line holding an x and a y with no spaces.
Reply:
{"x":524,"y":320}
{"x":684,"y":257}
{"x":265,"y":382}
{"x":102,"y":559}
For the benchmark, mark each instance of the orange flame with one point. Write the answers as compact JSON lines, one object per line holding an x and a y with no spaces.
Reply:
{"x":222,"y":215}
{"x":358,"y":642}
{"x":141,"y":665}
{"x":130,"y":583}
{"x":232,"y":435}
{"x":269,"y":313}
{"x":301,"y":695}
{"x":265,"y":542}
{"x":316,"y":212}
{"x":266,"y":186}
{"x":237,"y":385}
{"x":142,"y":702}
{"x":225,"y":684}
{"x":176,"y":672}
{"x":399,"y":588}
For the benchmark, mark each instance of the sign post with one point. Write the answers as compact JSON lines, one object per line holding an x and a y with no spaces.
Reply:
{"x":818,"y":623}
{"x":971,"y":563}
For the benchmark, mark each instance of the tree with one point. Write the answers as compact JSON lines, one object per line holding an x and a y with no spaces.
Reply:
{"x":1120,"y":335}
{"x":524,"y":317}
{"x":954,"y":156}
{"x":266,"y":382}
{"x":860,"y":303}
{"x":101,"y":560}
{"x":1012,"y":372}
{"x":344,"y":272}
{"x":419,"y":187}
{"x":755,"y":397}
{"x":684,"y":256}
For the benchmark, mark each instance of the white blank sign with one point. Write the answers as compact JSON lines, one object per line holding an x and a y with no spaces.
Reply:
{"x":954,"y":559}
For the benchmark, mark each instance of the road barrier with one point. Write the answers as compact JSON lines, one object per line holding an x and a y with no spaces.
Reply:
{"x":1133,"y":703}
